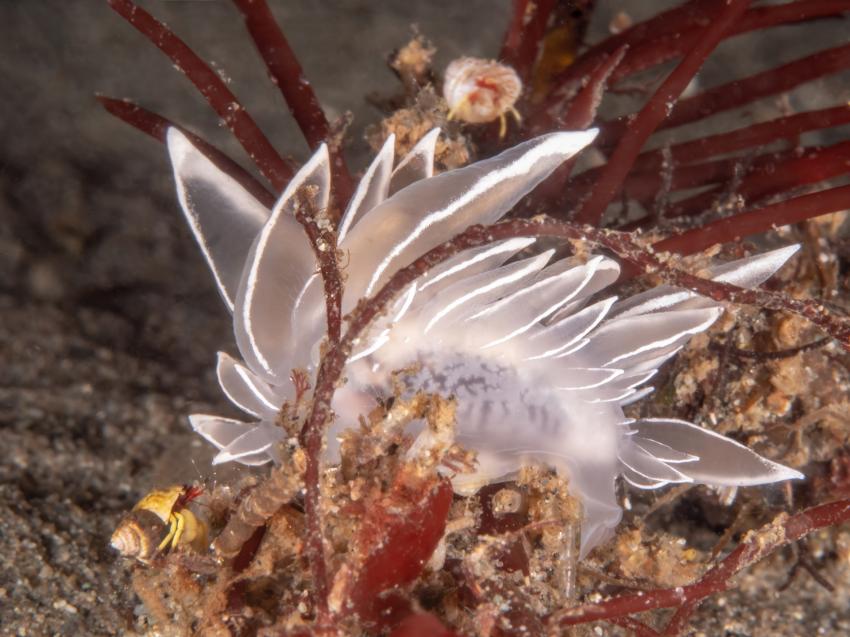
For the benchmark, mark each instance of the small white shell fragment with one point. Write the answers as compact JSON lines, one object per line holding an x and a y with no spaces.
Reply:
{"x":540,"y":366}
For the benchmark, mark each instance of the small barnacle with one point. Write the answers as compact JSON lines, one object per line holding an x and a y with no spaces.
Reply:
{"x":480,"y":91}
{"x":159,"y":520}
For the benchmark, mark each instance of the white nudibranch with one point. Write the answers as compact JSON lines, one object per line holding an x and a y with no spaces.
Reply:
{"x":541,"y":367}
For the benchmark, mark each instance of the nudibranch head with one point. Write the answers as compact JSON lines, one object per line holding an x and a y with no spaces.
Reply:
{"x":540,"y":362}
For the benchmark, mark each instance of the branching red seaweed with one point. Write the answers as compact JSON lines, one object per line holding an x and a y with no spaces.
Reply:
{"x":579,"y":116}
{"x":215,"y":91}
{"x":755,"y":221}
{"x":771,"y":178}
{"x":671,"y":21}
{"x":397,"y":535}
{"x":422,"y":625}
{"x":287,"y":74}
{"x":751,"y":136}
{"x":324,"y":247}
{"x":747,"y":90}
{"x":157,"y":126}
{"x":659,"y":50}
{"x":672,"y":33}
{"x":522,"y":39}
{"x":653,"y":113}
{"x":756,"y":546}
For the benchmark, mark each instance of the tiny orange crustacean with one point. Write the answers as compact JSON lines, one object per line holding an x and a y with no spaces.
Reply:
{"x":140,"y":532}
{"x":479,"y":91}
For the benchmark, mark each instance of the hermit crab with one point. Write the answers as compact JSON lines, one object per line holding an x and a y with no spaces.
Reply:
{"x":539,"y":359}
{"x":160,"y":520}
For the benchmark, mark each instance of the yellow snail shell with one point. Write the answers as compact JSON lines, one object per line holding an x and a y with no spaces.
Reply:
{"x":138,"y":535}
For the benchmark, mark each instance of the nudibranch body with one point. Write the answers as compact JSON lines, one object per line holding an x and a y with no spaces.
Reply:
{"x":541,"y":364}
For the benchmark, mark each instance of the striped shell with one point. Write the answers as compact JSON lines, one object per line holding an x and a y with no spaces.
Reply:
{"x":480,"y":91}
{"x":138,"y":535}
{"x":540,"y":360}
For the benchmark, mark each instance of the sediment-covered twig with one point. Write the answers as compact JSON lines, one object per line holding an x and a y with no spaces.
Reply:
{"x":280,"y":488}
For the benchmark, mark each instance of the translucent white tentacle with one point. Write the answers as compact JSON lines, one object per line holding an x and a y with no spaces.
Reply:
{"x":280,"y":264}
{"x":606,"y":273}
{"x":514,"y":315}
{"x":469,"y":263}
{"x":639,"y":461}
{"x":722,"y":461}
{"x":244,"y":389}
{"x":624,"y":342}
{"x":559,"y":337}
{"x":465,"y":297}
{"x":427,"y":213}
{"x":224,"y":217}
{"x":372,"y":189}
{"x":747,"y":273}
{"x":582,"y":378}
{"x":217,"y":430}
{"x":252,"y":445}
{"x":417,"y":164}
{"x":662,"y":452}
